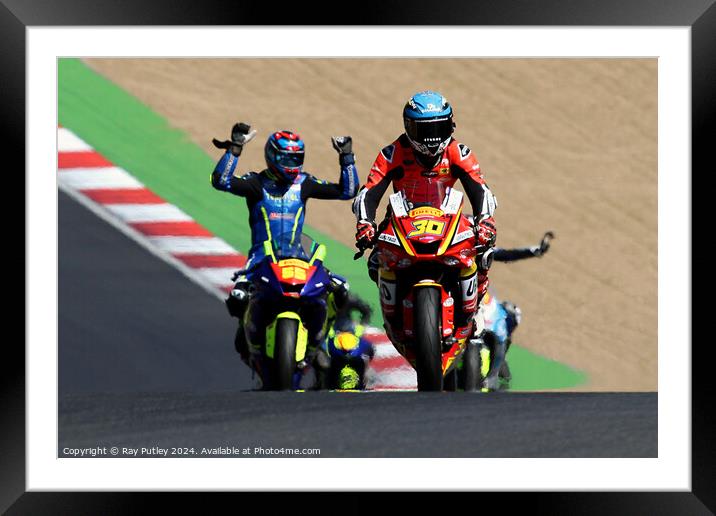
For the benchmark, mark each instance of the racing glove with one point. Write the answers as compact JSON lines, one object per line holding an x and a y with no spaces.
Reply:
{"x":241,"y":134}
{"x":344,"y":147}
{"x":486,"y":235}
{"x":365,"y":233}
{"x":543,"y":247}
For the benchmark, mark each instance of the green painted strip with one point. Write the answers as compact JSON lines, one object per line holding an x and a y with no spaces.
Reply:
{"x":135,"y":138}
{"x":532,"y":372}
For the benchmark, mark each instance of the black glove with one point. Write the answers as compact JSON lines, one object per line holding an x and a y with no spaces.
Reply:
{"x":343,"y":144}
{"x":241,"y":134}
{"x":544,"y":244}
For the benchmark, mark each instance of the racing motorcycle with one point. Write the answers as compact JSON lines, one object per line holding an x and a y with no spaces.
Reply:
{"x":491,"y":347}
{"x":350,"y":353}
{"x":479,"y":366}
{"x":343,"y":357}
{"x":484,"y":364}
{"x":422,"y":249}
{"x":287,"y":310}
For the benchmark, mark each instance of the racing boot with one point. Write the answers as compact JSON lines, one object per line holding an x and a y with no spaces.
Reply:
{"x":238,"y":300}
{"x":236,"y":304}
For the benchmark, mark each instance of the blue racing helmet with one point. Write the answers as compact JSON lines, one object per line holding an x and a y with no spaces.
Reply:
{"x":428,"y":122}
{"x":284,"y":152}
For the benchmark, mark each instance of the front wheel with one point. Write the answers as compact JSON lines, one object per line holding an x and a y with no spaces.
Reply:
{"x":284,"y":358}
{"x":428,"y":339}
{"x":472,"y":366}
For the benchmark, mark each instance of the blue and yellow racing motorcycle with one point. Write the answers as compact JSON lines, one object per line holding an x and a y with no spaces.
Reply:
{"x":349,"y":354}
{"x":286,"y":315}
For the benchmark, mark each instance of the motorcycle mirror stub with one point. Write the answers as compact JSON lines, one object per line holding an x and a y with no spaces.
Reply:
{"x":453,"y":202}
{"x":397,"y":204}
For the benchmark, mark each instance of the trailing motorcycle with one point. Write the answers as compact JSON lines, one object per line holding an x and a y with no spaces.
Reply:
{"x":484,"y":363}
{"x":343,"y":357}
{"x":485,"y":356}
{"x":287,"y":310}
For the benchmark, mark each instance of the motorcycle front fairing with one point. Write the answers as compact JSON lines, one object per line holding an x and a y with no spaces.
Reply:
{"x":427,"y":233}
{"x":425,"y":244}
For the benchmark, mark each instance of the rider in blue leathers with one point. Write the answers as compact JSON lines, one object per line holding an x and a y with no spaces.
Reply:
{"x":345,"y":353}
{"x":276,"y":198}
{"x":503,"y":317}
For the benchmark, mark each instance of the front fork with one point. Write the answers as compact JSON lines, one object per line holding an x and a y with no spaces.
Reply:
{"x":398,"y":314}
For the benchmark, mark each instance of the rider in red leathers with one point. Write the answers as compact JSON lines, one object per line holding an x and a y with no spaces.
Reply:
{"x":425,"y":155}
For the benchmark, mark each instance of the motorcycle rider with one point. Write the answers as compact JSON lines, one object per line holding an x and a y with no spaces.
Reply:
{"x":426,"y":154}
{"x":520,"y":253}
{"x":503,"y":317}
{"x":344,"y":355}
{"x":276,"y":198}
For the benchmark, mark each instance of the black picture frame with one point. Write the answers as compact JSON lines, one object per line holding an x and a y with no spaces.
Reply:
{"x":699,"y":15}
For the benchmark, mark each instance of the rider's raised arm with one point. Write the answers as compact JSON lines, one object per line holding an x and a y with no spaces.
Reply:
{"x":520,"y":253}
{"x":380,"y":176}
{"x":513,"y":255}
{"x":223,"y":178}
{"x":346,"y":188}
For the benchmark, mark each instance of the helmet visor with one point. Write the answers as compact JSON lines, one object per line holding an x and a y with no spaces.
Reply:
{"x":286,"y":159}
{"x":430,"y":133}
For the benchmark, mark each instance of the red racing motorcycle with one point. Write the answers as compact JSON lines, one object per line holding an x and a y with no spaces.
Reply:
{"x":427,"y":279}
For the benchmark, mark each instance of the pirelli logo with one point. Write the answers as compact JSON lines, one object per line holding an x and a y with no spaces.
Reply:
{"x":426,"y":210}
{"x":292,"y":262}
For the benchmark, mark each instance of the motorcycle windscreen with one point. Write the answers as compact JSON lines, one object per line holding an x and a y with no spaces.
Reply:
{"x":292,"y":245}
{"x":426,"y":191}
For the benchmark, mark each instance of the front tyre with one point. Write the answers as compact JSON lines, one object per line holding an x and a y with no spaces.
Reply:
{"x":428,"y":339}
{"x":284,"y":358}
{"x":472,"y":366}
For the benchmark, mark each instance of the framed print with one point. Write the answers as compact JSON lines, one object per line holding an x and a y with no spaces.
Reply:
{"x":173,"y":300}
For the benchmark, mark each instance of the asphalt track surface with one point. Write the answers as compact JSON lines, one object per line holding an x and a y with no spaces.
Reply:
{"x":146,"y":359}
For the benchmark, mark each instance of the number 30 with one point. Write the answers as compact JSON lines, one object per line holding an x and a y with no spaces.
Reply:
{"x":427,"y":227}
